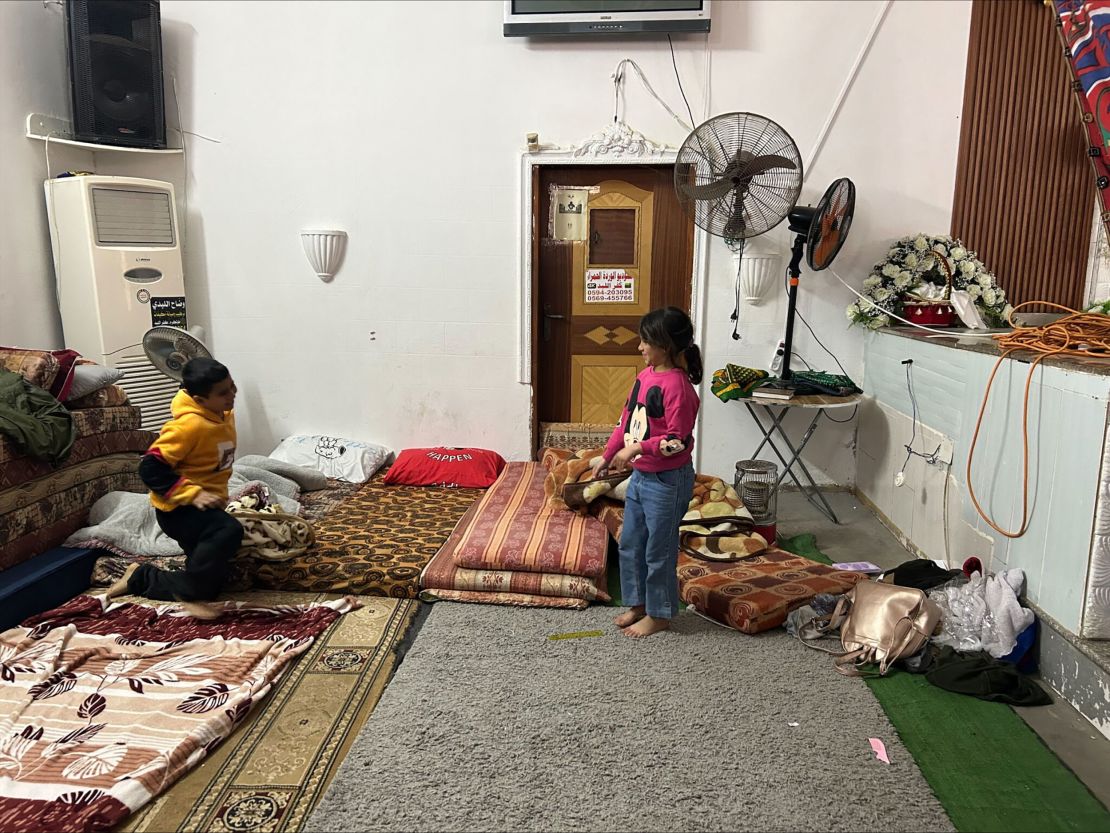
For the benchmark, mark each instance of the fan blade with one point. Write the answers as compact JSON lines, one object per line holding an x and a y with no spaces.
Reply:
{"x":712,"y":191}
{"x":762,"y":164}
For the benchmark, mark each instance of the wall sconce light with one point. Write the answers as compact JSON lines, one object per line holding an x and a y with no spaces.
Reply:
{"x":324,"y":249}
{"x":759,"y":267}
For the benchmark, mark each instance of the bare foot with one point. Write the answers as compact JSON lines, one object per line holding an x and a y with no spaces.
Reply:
{"x":646,"y":627}
{"x":630,"y":616}
{"x":119,"y":587}
{"x":200,"y":610}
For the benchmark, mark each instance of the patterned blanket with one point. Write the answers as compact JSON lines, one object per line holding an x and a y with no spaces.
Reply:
{"x":103,"y":708}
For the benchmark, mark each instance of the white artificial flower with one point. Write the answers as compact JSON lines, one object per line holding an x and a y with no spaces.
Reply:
{"x":940,"y":249}
{"x":903,"y":280}
{"x":959,"y":253}
{"x":968,"y":268}
{"x":921,"y":244}
{"x":973,"y":290}
{"x":890,"y":270}
{"x":986,"y":281}
{"x":882,"y":294}
{"x":1007,"y":311}
{"x":911,"y":260}
{"x":990,"y":297}
{"x":872,"y":281}
{"x":851,"y":312}
{"x":892,"y":254}
{"x":878,"y":322}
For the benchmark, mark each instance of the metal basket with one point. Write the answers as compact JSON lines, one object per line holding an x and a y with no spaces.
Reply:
{"x":756,"y":483}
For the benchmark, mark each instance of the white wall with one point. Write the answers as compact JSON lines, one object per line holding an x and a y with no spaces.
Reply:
{"x":32,"y":78}
{"x":403,"y":123}
{"x":1067,"y":421}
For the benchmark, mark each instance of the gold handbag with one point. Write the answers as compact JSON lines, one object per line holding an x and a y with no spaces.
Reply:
{"x":879,"y":623}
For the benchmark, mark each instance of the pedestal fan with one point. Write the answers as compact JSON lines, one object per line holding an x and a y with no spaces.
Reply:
{"x":820,"y":232}
{"x":739,"y":175}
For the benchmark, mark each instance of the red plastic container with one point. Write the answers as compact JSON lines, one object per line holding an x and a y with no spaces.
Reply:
{"x":768,"y":531}
{"x":929,"y":314}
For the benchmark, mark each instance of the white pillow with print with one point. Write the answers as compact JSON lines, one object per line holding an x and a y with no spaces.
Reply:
{"x":343,"y":459}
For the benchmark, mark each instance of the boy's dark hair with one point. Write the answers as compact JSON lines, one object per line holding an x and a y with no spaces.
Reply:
{"x":201,"y":375}
{"x":671,"y":329}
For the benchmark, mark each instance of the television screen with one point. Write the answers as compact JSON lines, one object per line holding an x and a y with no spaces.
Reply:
{"x":602,"y":6}
{"x":589,"y":17}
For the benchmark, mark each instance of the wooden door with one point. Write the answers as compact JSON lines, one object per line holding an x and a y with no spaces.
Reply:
{"x":631,"y":251}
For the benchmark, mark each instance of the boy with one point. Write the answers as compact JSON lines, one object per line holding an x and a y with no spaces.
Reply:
{"x":186,"y":470}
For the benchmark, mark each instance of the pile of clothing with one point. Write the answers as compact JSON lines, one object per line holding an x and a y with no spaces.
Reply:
{"x":983,"y":643}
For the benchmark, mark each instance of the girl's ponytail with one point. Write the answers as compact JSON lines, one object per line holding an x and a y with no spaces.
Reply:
{"x":692,"y":357}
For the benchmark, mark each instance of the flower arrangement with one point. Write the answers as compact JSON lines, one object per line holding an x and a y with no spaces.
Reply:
{"x":912,"y":271}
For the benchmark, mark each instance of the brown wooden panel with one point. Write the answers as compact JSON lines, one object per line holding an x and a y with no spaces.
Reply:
{"x":613,"y":236}
{"x":1024,"y":199}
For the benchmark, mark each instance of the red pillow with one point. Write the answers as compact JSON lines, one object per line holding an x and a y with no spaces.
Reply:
{"x":470,"y":468}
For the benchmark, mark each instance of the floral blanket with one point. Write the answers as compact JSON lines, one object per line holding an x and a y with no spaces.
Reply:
{"x":102,"y":708}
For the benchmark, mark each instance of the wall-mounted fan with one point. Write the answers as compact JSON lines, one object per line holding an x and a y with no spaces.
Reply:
{"x":738,"y":175}
{"x":169,"y":348}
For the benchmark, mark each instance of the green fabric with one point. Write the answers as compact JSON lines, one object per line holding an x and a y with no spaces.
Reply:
{"x":988,"y":769}
{"x":804,"y":545}
{"x":36,"y":422}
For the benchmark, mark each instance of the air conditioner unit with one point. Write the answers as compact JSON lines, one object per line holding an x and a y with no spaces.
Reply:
{"x":117,"y":263}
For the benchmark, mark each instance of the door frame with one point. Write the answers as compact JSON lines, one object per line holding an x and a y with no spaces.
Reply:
{"x":644,"y":153}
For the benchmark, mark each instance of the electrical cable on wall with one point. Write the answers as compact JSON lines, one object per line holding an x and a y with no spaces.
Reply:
{"x":618,"y":91}
{"x":1077,"y":333}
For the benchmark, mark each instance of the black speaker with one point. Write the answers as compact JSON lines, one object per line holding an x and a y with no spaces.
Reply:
{"x":115,"y":70}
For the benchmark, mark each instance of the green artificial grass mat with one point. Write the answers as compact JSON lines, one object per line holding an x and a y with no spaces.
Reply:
{"x":988,"y":769}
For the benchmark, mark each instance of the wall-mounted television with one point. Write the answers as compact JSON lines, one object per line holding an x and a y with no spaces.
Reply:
{"x":605,"y":17}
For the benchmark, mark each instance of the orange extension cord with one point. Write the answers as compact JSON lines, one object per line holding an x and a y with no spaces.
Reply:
{"x":1079,"y":333}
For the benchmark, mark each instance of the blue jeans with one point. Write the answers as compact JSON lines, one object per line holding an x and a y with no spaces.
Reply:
{"x":653,"y":506}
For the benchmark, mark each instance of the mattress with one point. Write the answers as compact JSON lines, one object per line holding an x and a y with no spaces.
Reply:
{"x":371,"y":539}
{"x":510,"y":548}
{"x":41,"y":513}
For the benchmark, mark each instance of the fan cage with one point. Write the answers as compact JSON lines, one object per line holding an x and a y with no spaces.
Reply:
{"x":769,"y":195}
{"x":756,"y":483}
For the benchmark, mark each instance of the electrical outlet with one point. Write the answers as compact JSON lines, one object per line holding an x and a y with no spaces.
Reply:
{"x":944,"y":455}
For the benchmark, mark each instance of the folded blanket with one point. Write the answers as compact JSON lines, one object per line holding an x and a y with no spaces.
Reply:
{"x":570,"y":483}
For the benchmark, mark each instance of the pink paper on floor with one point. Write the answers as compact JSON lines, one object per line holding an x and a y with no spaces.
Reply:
{"x":879,"y":748}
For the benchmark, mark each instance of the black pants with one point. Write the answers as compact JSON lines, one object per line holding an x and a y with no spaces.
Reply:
{"x":210,"y":538}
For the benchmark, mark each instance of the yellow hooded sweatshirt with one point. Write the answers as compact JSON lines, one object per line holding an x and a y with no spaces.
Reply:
{"x":199,"y":446}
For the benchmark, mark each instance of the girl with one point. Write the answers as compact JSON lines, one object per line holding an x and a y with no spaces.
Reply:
{"x":656,"y":437}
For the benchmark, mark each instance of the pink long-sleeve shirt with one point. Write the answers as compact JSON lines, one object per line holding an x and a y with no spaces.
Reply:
{"x":659,"y":414}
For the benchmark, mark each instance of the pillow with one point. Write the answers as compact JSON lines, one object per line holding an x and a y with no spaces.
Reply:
{"x":109,"y":397}
{"x":89,"y":377}
{"x":39,"y":367}
{"x":336,"y":457}
{"x":468,"y":468}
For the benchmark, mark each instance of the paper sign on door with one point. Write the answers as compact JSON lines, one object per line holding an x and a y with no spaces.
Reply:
{"x":605,"y":286}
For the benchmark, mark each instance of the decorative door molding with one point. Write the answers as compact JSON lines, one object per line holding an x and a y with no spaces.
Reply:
{"x":631,"y":153}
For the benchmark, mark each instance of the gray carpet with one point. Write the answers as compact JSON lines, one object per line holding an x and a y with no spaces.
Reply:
{"x":490,"y":725}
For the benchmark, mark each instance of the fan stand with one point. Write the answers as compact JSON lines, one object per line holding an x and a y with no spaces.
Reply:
{"x":794,"y":271}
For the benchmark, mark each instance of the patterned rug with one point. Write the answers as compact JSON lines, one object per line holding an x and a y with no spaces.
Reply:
{"x":270,"y":773}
